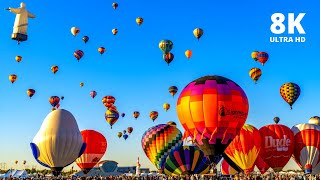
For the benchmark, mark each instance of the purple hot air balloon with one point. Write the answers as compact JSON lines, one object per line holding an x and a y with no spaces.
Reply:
{"x":93,"y":94}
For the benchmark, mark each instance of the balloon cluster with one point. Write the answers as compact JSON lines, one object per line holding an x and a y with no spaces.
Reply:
{"x":53,"y":100}
{"x":255,"y":73}
{"x":124,"y":133}
{"x":112,"y":114}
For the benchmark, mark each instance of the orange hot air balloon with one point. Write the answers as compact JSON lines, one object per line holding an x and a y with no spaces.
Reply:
{"x":18,"y":58}
{"x":212,"y":111}
{"x":188,"y":53}
{"x":54,"y":69}
{"x":13,"y":78}
{"x":226,"y":169}
{"x":277,"y":145}
{"x":261,"y":165}
{"x":108,"y":101}
{"x":101,"y":50}
{"x":136,"y":114}
{"x":244,"y":148}
{"x":95,"y":149}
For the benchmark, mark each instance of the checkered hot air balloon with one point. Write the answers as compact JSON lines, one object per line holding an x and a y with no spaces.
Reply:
{"x":290,"y":92}
{"x":158,"y":141}
{"x":212,"y":111}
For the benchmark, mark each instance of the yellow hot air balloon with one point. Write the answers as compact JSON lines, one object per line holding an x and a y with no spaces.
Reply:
{"x":254,"y":55}
{"x":81,"y":84}
{"x":75,"y":31}
{"x":18,"y":58}
{"x":139,"y":20}
{"x":13,"y":78}
{"x":114,"y":31}
{"x":255,"y":74}
{"x":198,"y":32}
{"x":166,"y":106}
{"x":188,"y":53}
{"x":54,"y":69}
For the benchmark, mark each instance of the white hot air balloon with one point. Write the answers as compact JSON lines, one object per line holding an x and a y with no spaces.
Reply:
{"x":75,"y":31}
{"x":59,"y":142}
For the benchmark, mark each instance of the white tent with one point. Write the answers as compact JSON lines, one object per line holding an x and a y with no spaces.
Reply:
{"x":15,"y":173}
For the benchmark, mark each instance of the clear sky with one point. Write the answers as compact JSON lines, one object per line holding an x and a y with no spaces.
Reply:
{"x":133,"y":71}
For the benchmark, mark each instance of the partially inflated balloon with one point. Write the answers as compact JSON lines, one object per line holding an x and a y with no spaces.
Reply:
{"x":255,"y":74}
{"x":198,"y":32}
{"x":58,"y":143}
{"x":18,"y":58}
{"x":315,"y":120}
{"x":173,"y":90}
{"x":186,"y":160}
{"x":139,"y":20}
{"x":54,"y":101}
{"x":212,"y":110}
{"x":93,"y":94}
{"x":31,"y":92}
{"x":75,"y":31}
{"x":262,"y":57}
{"x":290,"y":92}
{"x":166,"y":46}
{"x":158,"y":141}
{"x":188,"y":53}
{"x":78,"y":54}
{"x":136,"y":114}
{"x":111,"y":116}
{"x":96,"y":146}
{"x":166,"y":106}
{"x":154,"y":115}
{"x":13,"y":78}
{"x":168,"y":57}
{"x":54,"y":69}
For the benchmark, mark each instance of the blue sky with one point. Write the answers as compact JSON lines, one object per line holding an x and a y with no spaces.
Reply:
{"x":133,"y":71}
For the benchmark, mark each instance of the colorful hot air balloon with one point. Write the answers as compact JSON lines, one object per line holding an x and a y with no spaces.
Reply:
{"x":166,"y":106}
{"x":58,"y":143}
{"x":81,"y":84}
{"x":166,"y":46}
{"x":254,"y":55}
{"x":119,"y":134}
{"x":125,"y":136}
{"x":290,"y":92}
{"x":262,"y":57}
{"x":101,"y":50}
{"x":315,"y":120}
{"x":226,"y":169}
{"x":244,"y":148}
{"x":31,"y":92}
{"x":173,"y":90}
{"x":307,"y":146}
{"x":168,"y":57}
{"x":96,"y":146}
{"x":158,"y":141}
{"x":78,"y":54}
{"x":130,"y":129}
{"x":255,"y":74}
{"x":212,"y":111}
{"x":54,"y":69}
{"x":188,"y":53}
{"x":198,"y":32}
{"x":136,"y":114}
{"x":75,"y":31}
{"x":85,"y":39}
{"x":93,"y":94}
{"x":154,"y":115}
{"x":139,"y":20}
{"x":54,"y":101}
{"x":277,"y":144}
{"x":13,"y":78}
{"x":18,"y":58}
{"x":111,"y":116}
{"x":108,"y":101}
{"x":186,"y":160}
{"x":261,"y":165}
{"x":114,"y":31}
{"x":123,"y":114}
{"x":115,"y":5}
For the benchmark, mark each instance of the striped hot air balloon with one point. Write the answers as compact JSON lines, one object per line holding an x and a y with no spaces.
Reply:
{"x":186,"y":160}
{"x":111,"y":116}
{"x":154,"y":115}
{"x":31,"y":92}
{"x":78,"y":54}
{"x":255,"y":74}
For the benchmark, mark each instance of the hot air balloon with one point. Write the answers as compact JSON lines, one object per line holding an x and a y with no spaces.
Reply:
{"x":31,"y":92}
{"x":254,"y":55}
{"x":81,"y":84}
{"x":57,"y":106}
{"x":168,"y":57}
{"x":173,"y":90}
{"x":78,"y":54}
{"x":139,"y":20}
{"x":188,"y":53}
{"x":124,"y":131}
{"x":96,"y":146}
{"x":255,"y":74}
{"x":123,"y":114}
{"x":13,"y":78}
{"x":108,"y":101}
{"x":136,"y":114}
{"x":24,"y":162}
{"x":290,"y":92}
{"x":101,"y":50}
{"x":16,"y":162}
{"x":315,"y":120}
{"x":166,"y":46}
{"x":262,"y":57}
{"x":119,"y":134}
{"x":166,"y":106}
{"x":18,"y":58}
{"x":276,"y":120}
{"x":125,"y":136}
{"x":111,"y":116}
{"x":54,"y":69}
{"x":114,"y":31}
{"x":54,"y":101}
{"x":75,"y":31}
{"x":261,"y":165}
{"x":93,"y":94}
{"x":62,"y":97}
{"x":130,"y":129}
{"x":186,"y":160}
{"x":115,"y":5}
{"x":244,"y":148}
{"x":277,"y":145}
{"x":158,"y":141}
{"x":212,"y":111}
{"x":85,"y":39}
{"x":226,"y":169}
{"x":58,"y":143}
{"x":198,"y":32}
{"x":154,"y":115}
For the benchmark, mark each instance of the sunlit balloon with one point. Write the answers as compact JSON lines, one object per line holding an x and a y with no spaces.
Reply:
{"x":168,"y":57}
{"x":198,"y":32}
{"x":290,"y":92}
{"x":166,"y":106}
{"x":115,"y":5}
{"x":85,"y":39}
{"x":254,"y":55}
{"x":262,"y":57}
{"x":31,"y":92}
{"x":111,"y":117}
{"x":108,"y":101}
{"x":54,"y":69}
{"x":173,"y":90}
{"x":136,"y":114}
{"x":114,"y":31}
{"x":101,"y":50}
{"x":93,"y":94}
{"x":18,"y":58}
{"x":78,"y":54}
{"x":154,"y":115}
{"x":139,"y":20}
{"x":166,"y":46}
{"x":75,"y":31}
{"x":315,"y":120}
{"x":255,"y":74}
{"x":188,"y":53}
{"x":13,"y":78}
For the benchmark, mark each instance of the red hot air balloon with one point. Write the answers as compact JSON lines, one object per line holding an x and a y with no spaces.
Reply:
{"x":307,"y":147}
{"x":108,"y":101}
{"x":95,"y":149}
{"x":262,"y":57}
{"x":212,"y":111}
{"x":54,"y":101}
{"x":277,"y":144}
{"x":261,"y":165}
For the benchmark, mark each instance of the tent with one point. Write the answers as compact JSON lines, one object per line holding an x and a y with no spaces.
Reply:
{"x":15,"y":173}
